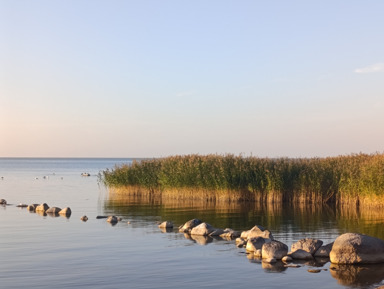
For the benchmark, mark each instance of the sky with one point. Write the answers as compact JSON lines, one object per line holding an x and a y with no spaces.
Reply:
{"x":154,"y":78}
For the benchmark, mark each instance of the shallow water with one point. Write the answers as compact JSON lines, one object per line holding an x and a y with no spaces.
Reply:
{"x":43,"y":251}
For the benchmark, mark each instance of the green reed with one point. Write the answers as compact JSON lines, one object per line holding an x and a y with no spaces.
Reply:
{"x":351,"y":178}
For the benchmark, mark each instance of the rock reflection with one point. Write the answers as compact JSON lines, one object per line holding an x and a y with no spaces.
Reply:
{"x":166,"y":230}
{"x":357,"y":275}
{"x":277,"y":267}
{"x":53,"y":215}
{"x":201,"y":240}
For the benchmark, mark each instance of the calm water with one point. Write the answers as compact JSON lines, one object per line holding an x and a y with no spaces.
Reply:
{"x":43,"y":251}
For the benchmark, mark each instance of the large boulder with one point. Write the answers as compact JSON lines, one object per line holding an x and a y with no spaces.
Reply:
{"x":204,"y":229}
{"x":324,"y":251}
{"x":188,"y":226}
{"x":274,"y":249}
{"x":254,"y":244}
{"x":308,"y":244}
{"x":352,"y":248}
{"x":42,"y":208}
{"x":257,"y":231}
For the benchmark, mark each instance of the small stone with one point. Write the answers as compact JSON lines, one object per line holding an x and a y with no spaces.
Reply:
{"x":22,"y":205}
{"x":112,"y":219}
{"x":314,"y":270}
{"x":292,"y":266}
{"x":166,"y":224}
{"x":3,"y":202}
{"x":84,"y":218}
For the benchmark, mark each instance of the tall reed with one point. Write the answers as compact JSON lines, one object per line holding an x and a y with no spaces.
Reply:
{"x":356,"y":179}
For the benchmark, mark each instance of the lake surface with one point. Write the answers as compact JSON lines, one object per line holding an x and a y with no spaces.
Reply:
{"x":42,"y":251}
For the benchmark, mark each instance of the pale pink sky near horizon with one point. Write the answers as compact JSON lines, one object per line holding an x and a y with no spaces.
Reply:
{"x":158,"y":78}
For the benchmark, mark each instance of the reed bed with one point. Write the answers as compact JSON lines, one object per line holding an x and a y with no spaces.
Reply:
{"x":351,"y":179}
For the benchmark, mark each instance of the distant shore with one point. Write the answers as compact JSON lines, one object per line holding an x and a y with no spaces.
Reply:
{"x":350,"y":179}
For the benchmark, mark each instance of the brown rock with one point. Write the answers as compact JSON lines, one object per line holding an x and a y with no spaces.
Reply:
{"x":274,"y":249}
{"x":308,"y":244}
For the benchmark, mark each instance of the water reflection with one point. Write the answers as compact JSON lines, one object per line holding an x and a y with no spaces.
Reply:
{"x":357,"y":275}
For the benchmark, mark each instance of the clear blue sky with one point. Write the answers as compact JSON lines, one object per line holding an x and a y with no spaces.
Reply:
{"x":157,"y":78}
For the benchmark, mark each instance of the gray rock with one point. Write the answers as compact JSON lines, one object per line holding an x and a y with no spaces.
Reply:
{"x":257,"y":231}
{"x":351,"y":248}
{"x":204,"y":229}
{"x":308,"y":244}
{"x":274,"y":249}
{"x":324,"y":250}
{"x":53,"y":210}
{"x":166,"y":224}
{"x":66,"y":212}
{"x":254,"y":244}
{"x":300,"y":255}
{"x":188,"y":226}
{"x":42,"y":208}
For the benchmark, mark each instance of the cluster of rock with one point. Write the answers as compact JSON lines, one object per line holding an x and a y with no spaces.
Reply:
{"x":45,"y":209}
{"x":349,"y":248}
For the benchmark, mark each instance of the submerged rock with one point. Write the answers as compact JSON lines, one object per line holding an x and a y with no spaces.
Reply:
{"x":166,"y":225}
{"x":352,"y":248}
{"x":188,"y":226}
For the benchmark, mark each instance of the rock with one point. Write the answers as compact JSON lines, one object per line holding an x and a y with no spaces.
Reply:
{"x":258,"y":253}
{"x":204,"y":229}
{"x":292,"y":266}
{"x":32,"y":208}
{"x":324,"y":251}
{"x":254,"y":244}
{"x":101,"y":217}
{"x":84,"y":218}
{"x":240,"y":242}
{"x":112,"y":219}
{"x":22,"y":205}
{"x":314,"y":270}
{"x":166,"y":225}
{"x":66,"y":212}
{"x":351,"y":248}
{"x":53,"y":210}
{"x":286,"y":259}
{"x":42,"y":208}
{"x":257,"y":231}
{"x":229,"y":234}
{"x":188,"y":226}
{"x":300,"y":255}
{"x":274,"y":249}
{"x":3,"y":202}
{"x":308,"y":244}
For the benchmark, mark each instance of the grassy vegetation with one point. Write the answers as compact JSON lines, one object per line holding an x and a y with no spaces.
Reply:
{"x":357,"y":178}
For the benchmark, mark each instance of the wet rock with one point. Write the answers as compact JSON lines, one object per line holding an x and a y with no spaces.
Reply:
{"x":286,"y":259}
{"x":166,"y":225}
{"x":42,"y":208}
{"x":257,"y":231}
{"x":188,"y":226}
{"x":3,"y":202}
{"x":22,"y":205}
{"x":274,"y":249}
{"x":300,"y":255}
{"x":32,"y":208}
{"x":324,"y":251}
{"x":84,"y":218}
{"x":204,"y":229}
{"x":240,"y":242}
{"x":229,"y":233}
{"x":65,"y":212}
{"x":352,"y":248}
{"x":112,"y":219}
{"x":254,"y":244}
{"x":53,"y":210}
{"x":308,"y":244}
{"x":314,"y":270}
